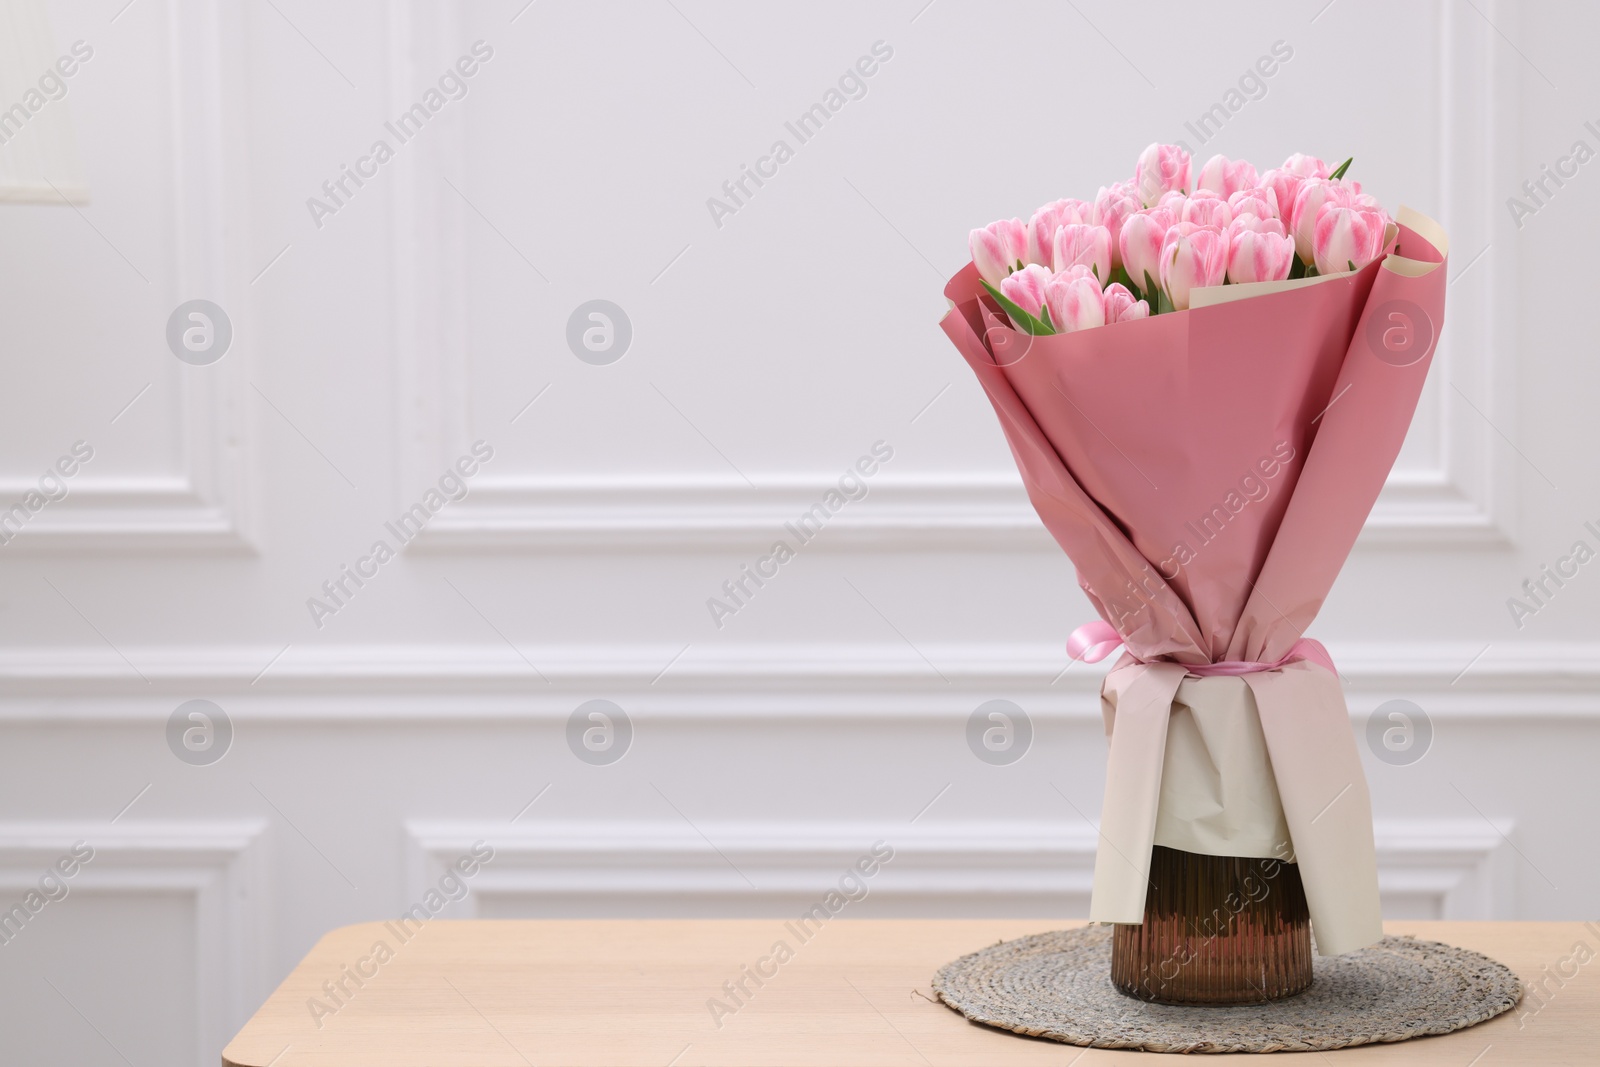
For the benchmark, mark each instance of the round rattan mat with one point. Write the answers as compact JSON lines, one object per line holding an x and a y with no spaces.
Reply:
{"x":1058,"y":985}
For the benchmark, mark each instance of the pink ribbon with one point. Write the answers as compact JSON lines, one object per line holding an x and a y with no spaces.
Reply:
{"x":1094,"y":641}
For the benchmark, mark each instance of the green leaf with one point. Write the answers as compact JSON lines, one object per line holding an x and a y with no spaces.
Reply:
{"x":1339,"y":171}
{"x":1028,"y":322}
{"x":1297,"y":268}
{"x":1312,"y":272}
{"x":1351,"y":263}
{"x":1044,"y":317}
{"x":1119,"y":275}
{"x":1154,"y":296}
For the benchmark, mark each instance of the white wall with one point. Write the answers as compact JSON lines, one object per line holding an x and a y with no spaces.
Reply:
{"x":767,"y":355}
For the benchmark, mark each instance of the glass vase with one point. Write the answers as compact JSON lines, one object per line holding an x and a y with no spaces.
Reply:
{"x":1217,"y":930}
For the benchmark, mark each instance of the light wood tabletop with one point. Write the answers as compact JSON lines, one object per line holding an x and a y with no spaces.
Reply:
{"x":623,"y":993}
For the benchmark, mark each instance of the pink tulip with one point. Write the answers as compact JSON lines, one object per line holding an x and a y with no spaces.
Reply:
{"x":1206,"y":208}
{"x":1075,"y":300}
{"x":1025,"y":288}
{"x":1192,"y":257}
{"x":1304,"y":166}
{"x":1086,"y":245}
{"x":1173,"y":202}
{"x":998,"y":249}
{"x":1161,"y":168}
{"x":1313,"y":194}
{"x":1285,"y":187}
{"x":1286,"y":182}
{"x":1258,"y":250}
{"x":1260,"y":202}
{"x":1258,"y":225}
{"x":1142,"y":236}
{"x":1121,"y":306}
{"x":1227,"y":176}
{"x":1111,"y":209}
{"x":1348,"y":238}
{"x":1042,"y":227}
{"x":1127,"y":188}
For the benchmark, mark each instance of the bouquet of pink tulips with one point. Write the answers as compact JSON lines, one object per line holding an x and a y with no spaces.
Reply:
{"x":1146,"y":244}
{"x":1208,"y":464}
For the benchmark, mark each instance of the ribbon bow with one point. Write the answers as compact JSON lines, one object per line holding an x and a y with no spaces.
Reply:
{"x":1094,"y":641}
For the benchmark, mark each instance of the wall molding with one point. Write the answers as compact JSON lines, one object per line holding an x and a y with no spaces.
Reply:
{"x":984,"y":512}
{"x":206,"y":506}
{"x":1468,"y":499}
{"x":1462,"y":500}
{"x":215,"y":863}
{"x":1504,"y":684}
{"x":1443,"y":868}
{"x":1459,"y":868}
{"x":122,"y":515}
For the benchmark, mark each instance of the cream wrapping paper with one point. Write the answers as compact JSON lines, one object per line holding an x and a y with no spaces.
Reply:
{"x":1218,"y":795}
{"x":1222,"y":795}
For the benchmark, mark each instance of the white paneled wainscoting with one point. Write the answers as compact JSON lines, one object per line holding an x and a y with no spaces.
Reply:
{"x":1428,"y":868}
{"x":752,"y":784}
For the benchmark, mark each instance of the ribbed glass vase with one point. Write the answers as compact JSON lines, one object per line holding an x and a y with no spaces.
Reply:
{"x":1217,"y":930}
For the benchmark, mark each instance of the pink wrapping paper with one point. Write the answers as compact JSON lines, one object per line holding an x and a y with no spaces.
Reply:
{"x":1208,"y":472}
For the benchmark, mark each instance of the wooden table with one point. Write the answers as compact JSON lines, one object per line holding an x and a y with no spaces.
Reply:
{"x":624,"y":993}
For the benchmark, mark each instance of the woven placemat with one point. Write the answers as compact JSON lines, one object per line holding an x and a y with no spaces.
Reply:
{"x":1058,"y":985}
